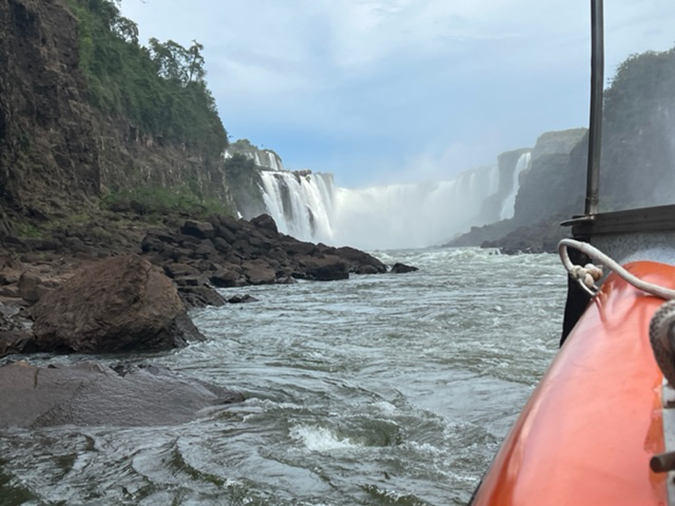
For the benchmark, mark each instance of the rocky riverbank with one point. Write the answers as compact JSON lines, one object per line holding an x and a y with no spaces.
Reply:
{"x":106,"y":260}
{"x":124,"y":283}
{"x":510,"y":239}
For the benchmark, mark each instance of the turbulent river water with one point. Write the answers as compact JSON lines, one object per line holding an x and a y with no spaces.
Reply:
{"x":377,"y":390}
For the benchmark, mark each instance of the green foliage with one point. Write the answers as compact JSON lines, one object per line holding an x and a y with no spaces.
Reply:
{"x":239,"y":163}
{"x":161,"y":89}
{"x":178,"y":64}
{"x":243,"y":145}
{"x":155,"y":200}
{"x":26,"y":229}
{"x":639,"y":120}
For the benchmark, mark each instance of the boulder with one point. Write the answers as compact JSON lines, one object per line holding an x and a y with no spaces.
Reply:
{"x":92,"y":394}
{"x":367,"y":269}
{"x":399,"y":268}
{"x":360,"y":262}
{"x":119,"y":304}
{"x":224,"y":232}
{"x":13,"y":336}
{"x":199,"y":229}
{"x":8,"y":278}
{"x":325,"y":268}
{"x":241,"y":299}
{"x":258,"y":272}
{"x":226,"y":278}
{"x":189,"y":281}
{"x":221,"y":244}
{"x":16,"y":341}
{"x":266,"y":223}
{"x":299,"y":248}
{"x":176,"y":270}
{"x":30,"y":287}
{"x":200,"y":296}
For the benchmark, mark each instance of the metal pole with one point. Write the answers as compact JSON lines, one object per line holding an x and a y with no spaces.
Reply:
{"x":595,"y":127}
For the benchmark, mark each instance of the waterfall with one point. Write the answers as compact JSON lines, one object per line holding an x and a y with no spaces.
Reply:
{"x":310,"y":207}
{"x":301,"y":204}
{"x":264,"y":158}
{"x":509,"y":204}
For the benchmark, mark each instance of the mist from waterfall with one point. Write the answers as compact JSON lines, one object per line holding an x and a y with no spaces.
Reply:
{"x":310,"y":207}
{"x":406,"y":215}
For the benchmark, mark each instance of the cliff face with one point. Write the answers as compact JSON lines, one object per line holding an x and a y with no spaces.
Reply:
{"x":555,"y":184}
{"x":49,"y":156}
{"x":57,"y":153}
{"x":551,"y":190}
{"x":506,"y":166}
{"x":638,"y":151}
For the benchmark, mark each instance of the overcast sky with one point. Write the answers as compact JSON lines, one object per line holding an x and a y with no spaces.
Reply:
{"x":382,"y":91}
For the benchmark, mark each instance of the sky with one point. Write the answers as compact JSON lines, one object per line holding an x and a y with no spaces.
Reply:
{"x":396,"y":91}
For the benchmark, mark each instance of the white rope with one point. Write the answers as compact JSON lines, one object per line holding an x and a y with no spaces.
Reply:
{"x":587,"y":275}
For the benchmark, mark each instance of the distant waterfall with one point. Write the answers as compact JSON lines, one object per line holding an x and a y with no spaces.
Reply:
{"x":310,"y":207}
{"x":509,"y":204}
{"x":301,"y":204}
{"x":262,"y":158}
{"x":493,"y":180}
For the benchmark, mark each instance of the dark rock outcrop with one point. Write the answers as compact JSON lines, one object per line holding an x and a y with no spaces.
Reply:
{"x":551,"y":190}
{"x":120,"y":304}
{"x":555,"y":185}
{"x":226,"y":252}
{"x":360,"y":262}
{"x":14,"y":337}
{"x":30,"y":287}
{"x":323,"y":268}
{"x":91,"y":394}
{"x":541,"y":237}
{"x":241,"y":299}
{"x":399,"y":268}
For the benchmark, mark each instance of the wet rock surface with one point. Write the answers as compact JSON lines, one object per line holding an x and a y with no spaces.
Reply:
{"x":542,"y":237}
{"x":241,"y":299}
{"x":120,"y":304}
{"x":226,"y":252}
{"x":81,"y":305}
{"x":399,"y":268}
{"x":91,"y":394}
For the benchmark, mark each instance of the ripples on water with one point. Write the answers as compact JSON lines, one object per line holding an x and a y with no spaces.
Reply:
{"x":382,"y":390}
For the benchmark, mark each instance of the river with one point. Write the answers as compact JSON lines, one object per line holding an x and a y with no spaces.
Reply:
{"x":377,"y":390}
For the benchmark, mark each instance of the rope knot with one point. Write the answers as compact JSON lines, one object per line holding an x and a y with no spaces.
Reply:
{"x":588,"y":274}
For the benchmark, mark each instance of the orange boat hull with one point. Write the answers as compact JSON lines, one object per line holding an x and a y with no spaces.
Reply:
{"x":590,"y":428}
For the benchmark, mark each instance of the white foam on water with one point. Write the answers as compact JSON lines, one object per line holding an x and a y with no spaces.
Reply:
{"x":320,"y":439}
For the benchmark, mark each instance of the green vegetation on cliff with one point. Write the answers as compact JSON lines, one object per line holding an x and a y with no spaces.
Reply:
{"x":160,"y":88}
{"x":639,"y":123}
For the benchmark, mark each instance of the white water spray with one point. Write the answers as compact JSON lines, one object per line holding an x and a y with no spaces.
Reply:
{"x":301,"y":205}
{"x":310,"y":207}
{"x":509,"y":205}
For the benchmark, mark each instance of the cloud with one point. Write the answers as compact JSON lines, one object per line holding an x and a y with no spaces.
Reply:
{"x":400,"y":87}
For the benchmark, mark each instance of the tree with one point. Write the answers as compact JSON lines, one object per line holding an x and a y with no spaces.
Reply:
{"x":160,"y":88}
{"x":174,"y":62}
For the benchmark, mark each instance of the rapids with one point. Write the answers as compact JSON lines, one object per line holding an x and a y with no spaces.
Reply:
{"x":377,"y":390}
